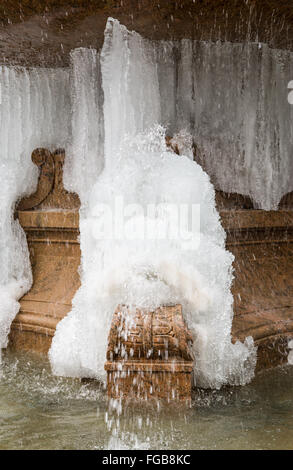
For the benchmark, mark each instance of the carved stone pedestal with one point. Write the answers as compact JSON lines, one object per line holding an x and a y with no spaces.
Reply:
{"x":50,"y":220}
{"x":149,"y":355}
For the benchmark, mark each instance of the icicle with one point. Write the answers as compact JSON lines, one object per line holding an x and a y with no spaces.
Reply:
{"x":34,"y":112}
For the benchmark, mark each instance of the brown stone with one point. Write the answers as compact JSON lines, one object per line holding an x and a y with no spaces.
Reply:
{"x":149,"y":354}
{"x":55,"y":258}
{"x":52,"y":237}
{"x":286,"y":201}
{"x":262,"y":243}
{"x":232,"y":201}
{"x":50,"y":193}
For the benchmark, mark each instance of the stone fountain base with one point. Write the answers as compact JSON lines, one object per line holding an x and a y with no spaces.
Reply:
{"x":262,"y":243}
{"x":55,"y":258}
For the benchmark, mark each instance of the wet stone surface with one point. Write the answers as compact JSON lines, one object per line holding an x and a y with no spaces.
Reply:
{"x":42,"y":33}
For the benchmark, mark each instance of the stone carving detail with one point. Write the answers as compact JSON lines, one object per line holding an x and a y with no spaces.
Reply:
{"x":44,"y":161}
{"x":137,"y":334}
{"x":50,"y":192}
{"x":149,"y":354}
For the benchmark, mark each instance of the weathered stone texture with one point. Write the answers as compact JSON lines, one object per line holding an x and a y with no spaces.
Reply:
{"x":42,"y":32}
{"x":149,"y":354}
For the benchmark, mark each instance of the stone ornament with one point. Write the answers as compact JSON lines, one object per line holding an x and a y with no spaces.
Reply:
{"x":149,"y":354}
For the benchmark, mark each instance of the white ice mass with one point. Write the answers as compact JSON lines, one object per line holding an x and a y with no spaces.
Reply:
{"x":139,"y":170}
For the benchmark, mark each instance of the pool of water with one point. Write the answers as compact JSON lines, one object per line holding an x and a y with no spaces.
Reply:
{"x":40,"y":411}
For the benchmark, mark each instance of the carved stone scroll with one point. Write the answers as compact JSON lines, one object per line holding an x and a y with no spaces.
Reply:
{"x":44,"y":161}
{"x":50,"y":193}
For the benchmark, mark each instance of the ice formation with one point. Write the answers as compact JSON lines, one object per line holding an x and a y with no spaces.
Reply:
{"x":123,"y":268}
{"x":232,"y":98}
{"x":34,"y":110}
{"x":85,"y":149}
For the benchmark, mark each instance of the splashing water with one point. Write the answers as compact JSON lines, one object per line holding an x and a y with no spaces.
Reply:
{"x":34,"y":109}
{"x":140,"y":171}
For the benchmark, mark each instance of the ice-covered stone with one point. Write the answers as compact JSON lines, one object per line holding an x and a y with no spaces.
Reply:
{"x":147,"y":272}
{"x":34,"y":112}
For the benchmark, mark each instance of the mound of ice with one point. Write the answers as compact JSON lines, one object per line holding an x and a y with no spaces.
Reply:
{"x":120,"y":264}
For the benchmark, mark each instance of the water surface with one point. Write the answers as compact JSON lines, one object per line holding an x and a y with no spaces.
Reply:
{"x":40,"y":411}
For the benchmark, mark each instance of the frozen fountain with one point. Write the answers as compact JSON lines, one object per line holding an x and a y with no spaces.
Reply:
{"x":149,"y":310}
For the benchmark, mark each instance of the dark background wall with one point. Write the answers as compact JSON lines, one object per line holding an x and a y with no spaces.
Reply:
{"x":42,"y":32}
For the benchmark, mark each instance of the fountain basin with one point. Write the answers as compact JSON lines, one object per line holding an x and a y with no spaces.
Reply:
{"x":261,"y":241}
